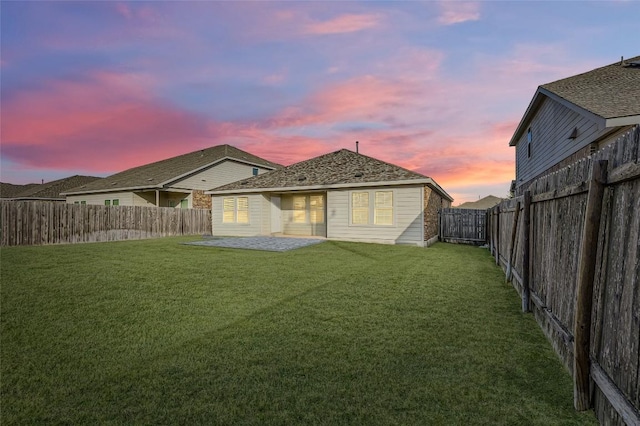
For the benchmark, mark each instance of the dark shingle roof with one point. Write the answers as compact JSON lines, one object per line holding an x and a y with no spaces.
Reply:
{"x":51,"y":190}
{"x":10,"y":190}
{"x":611,"y":91}
{"x":154,"y":175}
{"x":336,"y":168}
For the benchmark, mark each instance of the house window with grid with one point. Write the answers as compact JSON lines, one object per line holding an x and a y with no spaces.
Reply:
{"x":383,"y":210}
{"x":300,"y":209}
{"x":316,"y":209}
{"x":360,"y":208}
{"x":235,"y":210}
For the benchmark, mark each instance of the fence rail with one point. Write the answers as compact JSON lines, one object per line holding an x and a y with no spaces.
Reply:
{"x":42,"y":222}
{"x":571,"y":247}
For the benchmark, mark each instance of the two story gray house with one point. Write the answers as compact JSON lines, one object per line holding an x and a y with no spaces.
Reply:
{"x":571,"y":118}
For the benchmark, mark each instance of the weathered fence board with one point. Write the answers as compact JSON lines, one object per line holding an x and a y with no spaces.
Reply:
{"x":556,"y":239}
{"x":42,"y":222}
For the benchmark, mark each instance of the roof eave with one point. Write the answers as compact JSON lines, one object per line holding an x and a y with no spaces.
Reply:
{"x":101,"y":191}
{"x":622,"y":121}
{"x":424,"y":181}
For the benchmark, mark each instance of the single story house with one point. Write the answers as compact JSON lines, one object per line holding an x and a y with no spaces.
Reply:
{"x":342,"y":195}
{"x":50,"y":191}
{"x":175,"y":182}
{"x":571,"y":118}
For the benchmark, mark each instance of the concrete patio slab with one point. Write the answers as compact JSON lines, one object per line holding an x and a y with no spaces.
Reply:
{"x":279,"y":244}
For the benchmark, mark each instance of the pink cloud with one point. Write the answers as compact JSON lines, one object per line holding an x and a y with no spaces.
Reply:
{"x":348,"y":23}
{"x":456,"y":12}
{"x":105,"y":122}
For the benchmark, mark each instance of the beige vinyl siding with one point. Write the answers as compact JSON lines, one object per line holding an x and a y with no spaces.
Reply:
{"x":266,"y":215}
{"x":408,"y":223}
{"x":255,"y":225}
{"x":551,"y":127}
{"x":124,"y":198}
{"x":220,"y":174}
{"x":291,"y":216}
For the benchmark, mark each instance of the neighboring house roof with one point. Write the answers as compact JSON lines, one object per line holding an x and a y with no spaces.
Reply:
{"x":607,"y":95}
{"x":482,"y":204}
{"x":9,"y":190}
{"x":340,"y":169}
{"x":162,"y":173}
{"x":51,"y":190}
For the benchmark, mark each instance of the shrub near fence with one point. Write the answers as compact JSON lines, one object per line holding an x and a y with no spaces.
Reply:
{"x":42,"y":222}
{"x":571,"y":247}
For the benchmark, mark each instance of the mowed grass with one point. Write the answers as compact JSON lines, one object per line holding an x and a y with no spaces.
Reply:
{"x":155,"y":332}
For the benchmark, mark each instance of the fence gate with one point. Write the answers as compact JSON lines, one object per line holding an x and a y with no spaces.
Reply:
{"x":463,"y":225}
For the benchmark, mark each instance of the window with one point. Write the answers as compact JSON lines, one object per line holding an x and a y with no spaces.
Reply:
{"x":300,"y":209}
{"x":255,"y":171}
{"x":229,"y":210}
{"x":76,"y":202}
{"x":242,"y":209}
{"x":383,"y":211}
{"x":115,"y":202}
{"x":360,"y":208}
{"x":235,"y":210}
{"x":172,"y":203}
{"x":316,"y":209}
{"x":107,"y":202}
{"x":372,"y":208}
{"x":83,"y":202}
{"x":529,"y":140}
{"x":184,"y":204}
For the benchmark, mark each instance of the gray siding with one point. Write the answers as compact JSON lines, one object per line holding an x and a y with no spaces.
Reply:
{"x":551,"y":127}
{"x":218,"y":175}
{"x":408,"y":217}
{"x":255,"y":225}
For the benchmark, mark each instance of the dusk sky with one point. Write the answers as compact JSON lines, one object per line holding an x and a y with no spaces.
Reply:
{"x":94,"y":88}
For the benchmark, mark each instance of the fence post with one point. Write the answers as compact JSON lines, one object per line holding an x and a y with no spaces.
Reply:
{"x":584,"y":285}
{"x":498,"y":235}
{"x":526,"y":249}
{"x":514,"y":230}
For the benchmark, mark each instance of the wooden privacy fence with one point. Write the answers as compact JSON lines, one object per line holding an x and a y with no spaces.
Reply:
{"x":42,"y":222}
{"x":463,"y":225}
{"x":571,"y":247}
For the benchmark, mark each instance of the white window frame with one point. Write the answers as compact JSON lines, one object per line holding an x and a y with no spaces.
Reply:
{"x":235,"y":210}
{"x":372,"y":214}
{"x":362,"y":208}
{"x":383,"y":208}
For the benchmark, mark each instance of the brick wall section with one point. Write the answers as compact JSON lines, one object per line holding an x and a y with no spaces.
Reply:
{"x":432,"y":203}
{"x":200,"y":200}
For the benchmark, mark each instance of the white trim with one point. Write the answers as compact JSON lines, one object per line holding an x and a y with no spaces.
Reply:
{"x":114,"y":189}
{"x":623,"y":121}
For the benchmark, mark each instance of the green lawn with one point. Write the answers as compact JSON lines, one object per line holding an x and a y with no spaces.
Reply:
{"x":155,"y":332}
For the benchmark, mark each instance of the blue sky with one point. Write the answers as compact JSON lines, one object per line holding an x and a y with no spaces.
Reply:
{"x":437,"y":87}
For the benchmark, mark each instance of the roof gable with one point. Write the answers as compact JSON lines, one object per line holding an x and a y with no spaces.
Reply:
{"x":336,"y":169}
{"x":161,"y":173}
{"x":607,"y":95}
